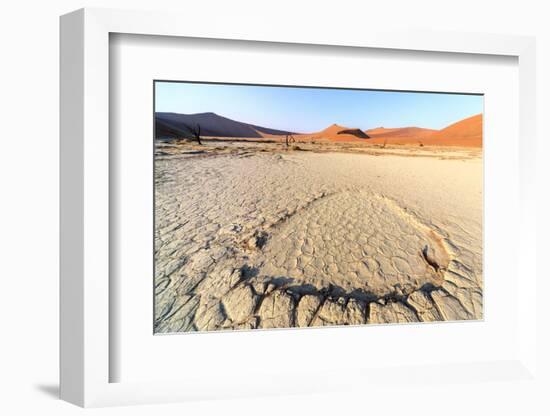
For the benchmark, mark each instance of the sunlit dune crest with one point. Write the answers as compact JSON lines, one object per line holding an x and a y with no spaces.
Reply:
{"x":464,"y":133}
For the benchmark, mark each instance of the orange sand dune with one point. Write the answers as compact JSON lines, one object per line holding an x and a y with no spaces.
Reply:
{"x":333,"y":133}
{"x":464,"y":133}
{"x":381,"y":130}
{"x":467,"y":132}
{"x":332,"y":130}
{"x":403,"y":135}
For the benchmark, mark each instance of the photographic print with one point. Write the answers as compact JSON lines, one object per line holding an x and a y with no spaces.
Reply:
{"x":287,"y":206}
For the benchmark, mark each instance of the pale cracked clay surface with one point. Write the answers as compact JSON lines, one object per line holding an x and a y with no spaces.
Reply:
{"x":256,"y":237}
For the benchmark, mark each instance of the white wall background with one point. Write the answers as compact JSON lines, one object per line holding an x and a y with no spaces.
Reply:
{"x":29,"y":204}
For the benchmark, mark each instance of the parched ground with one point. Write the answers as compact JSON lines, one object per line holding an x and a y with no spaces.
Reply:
{"x":259,"y":237}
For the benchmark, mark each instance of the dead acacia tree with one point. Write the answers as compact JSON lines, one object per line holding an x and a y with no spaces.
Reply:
{"x":196,"y":132}
{"x":289,"y":139}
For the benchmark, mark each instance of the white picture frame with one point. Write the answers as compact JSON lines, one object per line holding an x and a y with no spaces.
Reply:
{"x":85,"y":221}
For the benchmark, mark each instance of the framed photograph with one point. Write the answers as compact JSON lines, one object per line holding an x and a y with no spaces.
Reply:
{"x":230,"y":203}
{"x":310,"y":223}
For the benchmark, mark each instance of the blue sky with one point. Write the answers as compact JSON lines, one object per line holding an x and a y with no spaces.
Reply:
{"x":308,"y":110}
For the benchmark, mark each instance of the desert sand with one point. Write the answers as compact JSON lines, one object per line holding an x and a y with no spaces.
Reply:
{"x":253,"y":234}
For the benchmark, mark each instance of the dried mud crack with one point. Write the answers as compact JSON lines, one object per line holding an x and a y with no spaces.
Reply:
{"x":286,"y":246}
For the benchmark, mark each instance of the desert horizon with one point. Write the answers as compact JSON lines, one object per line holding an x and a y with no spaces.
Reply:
{"x":466,"y":132}
{"x":350,"y":224}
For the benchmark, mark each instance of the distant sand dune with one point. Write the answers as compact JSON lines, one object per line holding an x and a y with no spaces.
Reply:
{"x":467,"y":132}
{"x":464,"y":133}
{"x":337,"y":133}
{"x":405,"y":135}
{"x":175,"y":125}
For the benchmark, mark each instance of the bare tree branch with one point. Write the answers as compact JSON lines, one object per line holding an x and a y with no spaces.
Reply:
{"x":196,"y":132}
{"x":289,"y":139}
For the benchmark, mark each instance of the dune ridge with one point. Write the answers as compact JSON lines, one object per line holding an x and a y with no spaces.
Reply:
{"x":336,"y":133}
{"x":173,"y":125}
{"x":464,"y":133}
{"x":467,"y":132}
